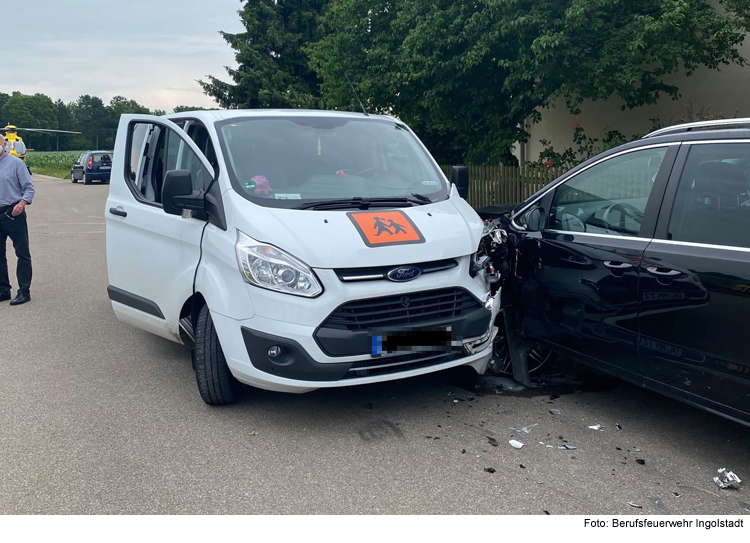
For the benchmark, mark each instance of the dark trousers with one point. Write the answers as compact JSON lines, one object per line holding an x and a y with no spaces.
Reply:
{"x":16,"y":229}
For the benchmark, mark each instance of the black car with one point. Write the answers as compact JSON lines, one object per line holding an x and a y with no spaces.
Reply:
{"x":92,"y":166}
{"x":638,"y":262}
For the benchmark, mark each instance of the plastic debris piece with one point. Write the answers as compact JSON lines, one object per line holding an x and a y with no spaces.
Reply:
{"x":515,"y":444}
{"x":686,"y":487}
{"x":524,"y":430}
{"x":567,"y":447}
{"x":541,"y":442}
{"x":727,"y":479}
{"x":492,"y":441}
{"x":595,"y":427}
{"x":631,"y":504}
{"x":550,"y":447}
{"x":470,"y":398}
{"x":618,"y":426}
{"x":463,"y":451}
{"x":555,"y":412}
{"x":745,"y":506}
{"x":522,"y":466}
{"x":618,"y":448}
{"x":636,"y":449}
{"x":489,"y":470}
{"x":428,"y":437}
{"x":368,"y":406}
{"x":253,"y":433}
{"x":546,"y":512}
{"x":640,"y":461}
{"x":676,"y":494}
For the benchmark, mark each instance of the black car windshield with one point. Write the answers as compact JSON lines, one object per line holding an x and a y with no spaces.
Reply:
{"x":289,"y":161}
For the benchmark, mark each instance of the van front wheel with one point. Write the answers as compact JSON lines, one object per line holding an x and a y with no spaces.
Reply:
{"x":215,"y":382}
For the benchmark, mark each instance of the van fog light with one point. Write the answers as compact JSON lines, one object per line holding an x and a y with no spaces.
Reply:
{"x":274,"y":351}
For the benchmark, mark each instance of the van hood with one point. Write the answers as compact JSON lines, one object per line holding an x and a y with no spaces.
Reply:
{"x":349,"y":238}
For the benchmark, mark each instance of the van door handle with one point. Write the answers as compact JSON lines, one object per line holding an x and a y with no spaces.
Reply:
{"x":118,"y":211}
{"x":663,"y":272}
{"x":617,"y":265}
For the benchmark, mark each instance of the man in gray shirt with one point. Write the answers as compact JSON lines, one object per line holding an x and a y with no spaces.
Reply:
{"x":16,"y":192}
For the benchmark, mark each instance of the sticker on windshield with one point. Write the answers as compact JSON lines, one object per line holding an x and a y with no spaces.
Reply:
{"x":288,"y":196}
{"x":379,"y":228}
{"x":430,"y":183}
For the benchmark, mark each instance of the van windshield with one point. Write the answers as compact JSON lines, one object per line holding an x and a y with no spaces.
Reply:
{"x":290,"y":161}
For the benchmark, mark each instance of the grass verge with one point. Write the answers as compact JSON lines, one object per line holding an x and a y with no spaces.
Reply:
{"x":52,"y":171}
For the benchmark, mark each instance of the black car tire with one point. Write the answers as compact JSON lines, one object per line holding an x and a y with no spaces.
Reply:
{"x":86,"y":180}
{"x":73,"y":178}
{"x":216,"y":383}
{"x":501,"y":363}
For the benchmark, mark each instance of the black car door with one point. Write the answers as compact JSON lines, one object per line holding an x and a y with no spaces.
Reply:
{"x":577,"y":275}
{"x":695,"y":282}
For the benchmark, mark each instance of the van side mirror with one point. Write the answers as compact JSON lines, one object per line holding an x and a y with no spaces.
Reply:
{"x":460,"y":178}
{"x":177,"y":193}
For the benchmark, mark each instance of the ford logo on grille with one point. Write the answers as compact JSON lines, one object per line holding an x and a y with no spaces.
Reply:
{"x":404,"y":273}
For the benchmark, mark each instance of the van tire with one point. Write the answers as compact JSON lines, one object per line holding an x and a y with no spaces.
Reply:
{"x":216,"y":383}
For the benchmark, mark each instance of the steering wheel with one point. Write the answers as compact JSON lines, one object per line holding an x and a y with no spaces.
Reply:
{"x":370,"y":171}
{"x":626,"y":211}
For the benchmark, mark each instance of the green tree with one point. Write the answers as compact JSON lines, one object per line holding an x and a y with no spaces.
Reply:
{"x":3,"y":99}
{"x":92,"y":118}
{"x":119,"y":105}
{"x":466,"y":74}
{"x":181,"y":109}
{"x":32,"y":111}
{"x":274,"y":69}
{"x":65,"y":121}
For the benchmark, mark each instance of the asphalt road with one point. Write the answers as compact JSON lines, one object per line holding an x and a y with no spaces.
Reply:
{"x":98,"y":417}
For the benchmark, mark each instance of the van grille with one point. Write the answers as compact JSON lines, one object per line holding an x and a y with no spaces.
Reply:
{"x":411,"y":309}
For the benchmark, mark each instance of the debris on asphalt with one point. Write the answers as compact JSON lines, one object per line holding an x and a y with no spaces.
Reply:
{"x":253,"y":433}
{"x":368,"y":406}
{"x":515,"y":444}
{"x":676,"y":494}
{"x":550,"y":447}
{"x":595,"y":427}
{"x":687,"y":487}
{"x":618,"y":448}
{"x":428,"y":437}
{"x":463,"y":451}
{"x":489,"y":470}
{"x":555,"y":412}
{"x":567,"y":447}
{"x":727,"y":479}
{"x":636,"y":449}
{"x":525,"y":429}
{"x":659,"y":506}
{"x":522,"y":466}
{"x":492,"y":441}
{"x":618,"y":426}
{"x":640,"y":461}
{"x":470,"y":398}
{"x":631,"y":504}
{"x":745,"y":506}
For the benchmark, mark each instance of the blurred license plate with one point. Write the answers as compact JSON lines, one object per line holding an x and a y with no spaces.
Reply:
{"x":412,"y":341}
{"x":105,"y":167}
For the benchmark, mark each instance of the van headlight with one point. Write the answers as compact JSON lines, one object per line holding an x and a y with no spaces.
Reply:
{"x":269,"y":267}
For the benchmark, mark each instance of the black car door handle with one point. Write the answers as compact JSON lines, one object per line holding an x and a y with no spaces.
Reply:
{"x":617,"y":265}
{"x":118,"y":212}
{"x":663,"y":272}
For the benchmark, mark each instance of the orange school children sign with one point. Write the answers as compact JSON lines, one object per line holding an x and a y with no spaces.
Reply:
{"x":380,"y":228}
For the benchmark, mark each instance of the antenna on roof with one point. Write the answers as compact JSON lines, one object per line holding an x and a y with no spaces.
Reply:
{"x":357,"y":95}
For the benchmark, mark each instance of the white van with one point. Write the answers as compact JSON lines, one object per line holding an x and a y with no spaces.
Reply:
{"x":295,"y":249}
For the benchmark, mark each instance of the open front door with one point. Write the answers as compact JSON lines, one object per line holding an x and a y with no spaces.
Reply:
{"x":151,"y":256}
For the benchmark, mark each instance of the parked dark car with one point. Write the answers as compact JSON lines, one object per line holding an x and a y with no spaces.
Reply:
{"x":637,"y":262}
{"x":92,"y":166}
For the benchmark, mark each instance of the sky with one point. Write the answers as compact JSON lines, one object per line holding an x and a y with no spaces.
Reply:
{"x":151,"y":51}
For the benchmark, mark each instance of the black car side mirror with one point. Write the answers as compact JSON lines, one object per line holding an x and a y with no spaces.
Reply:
{"x":177,"y":193}
{"x":460,"y":178}
{"x":534,"y":220}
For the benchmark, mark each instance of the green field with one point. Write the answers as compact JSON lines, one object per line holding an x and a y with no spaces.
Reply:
{"x":53,"y":163}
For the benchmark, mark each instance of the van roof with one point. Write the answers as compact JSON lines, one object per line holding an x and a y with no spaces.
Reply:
{"x":222,"y":114}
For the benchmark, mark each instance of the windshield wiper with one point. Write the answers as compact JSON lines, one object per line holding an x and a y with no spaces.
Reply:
{"x":366,"y":203}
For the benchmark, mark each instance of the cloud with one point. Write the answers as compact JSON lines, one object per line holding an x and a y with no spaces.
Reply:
{"x":149,"y":52}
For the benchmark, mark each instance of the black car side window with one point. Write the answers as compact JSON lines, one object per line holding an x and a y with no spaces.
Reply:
{"x":610,"y":197}
{"x":712,"y":204}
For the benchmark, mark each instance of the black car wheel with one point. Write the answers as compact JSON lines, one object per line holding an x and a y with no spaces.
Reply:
{"x":86,"y":180}
{"x":73,"y":177}
{"x":216,"y":383}
{"x":501,"y":363}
